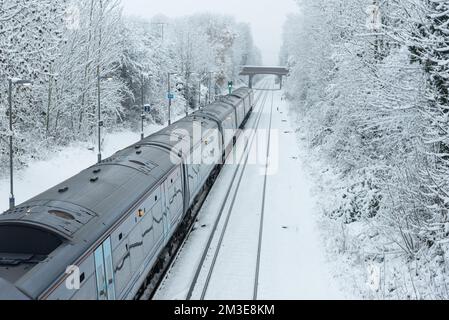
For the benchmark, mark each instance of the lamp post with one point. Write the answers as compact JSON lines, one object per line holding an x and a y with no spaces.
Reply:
{"x":100,"y":122}
{"x":210,"y":88}
{"x":162,"y":26}
{"x":142,"y":136}
{"x":11,"y":83}
{"x":189,"y":74}
{"x":200,"y":81}
{"x":199,"y":94}
{"x":210,"y":85}
{"x":188,"y":92}
{"x":170,"y":96}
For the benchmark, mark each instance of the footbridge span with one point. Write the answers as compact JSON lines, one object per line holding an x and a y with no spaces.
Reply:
{"x":252,"y":71}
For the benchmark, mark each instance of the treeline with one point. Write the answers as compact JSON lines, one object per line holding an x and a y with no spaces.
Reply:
{"x":65,"y":46}
{"x":370,"y":84}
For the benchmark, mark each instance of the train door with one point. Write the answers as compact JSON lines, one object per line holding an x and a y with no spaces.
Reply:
{"x":185,"y":181}
{"x":174,"y":200}
{"x":104,"y":272}
{"x":166,"y":215}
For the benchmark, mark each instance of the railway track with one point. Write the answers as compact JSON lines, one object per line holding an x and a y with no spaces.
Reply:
{"x":262,"y":220}
{"x":155,"y":280}
{"x":205,"y":270}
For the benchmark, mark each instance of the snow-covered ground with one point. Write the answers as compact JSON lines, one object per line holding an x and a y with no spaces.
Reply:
{"x":293,"y":260}
{"x":39,"y":176}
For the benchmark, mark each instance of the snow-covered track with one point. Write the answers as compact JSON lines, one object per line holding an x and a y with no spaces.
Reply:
{"x":264,"y":197}
{"x":202,"y":281}
{"x":157,"y":280}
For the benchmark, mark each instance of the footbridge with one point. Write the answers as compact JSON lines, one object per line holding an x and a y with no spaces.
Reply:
{"x":252,"y":71}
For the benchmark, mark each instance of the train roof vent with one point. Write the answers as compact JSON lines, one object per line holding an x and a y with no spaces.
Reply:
{"x":61,"y":214}
{"x":63,"y":189}
{"x":138,"y":162}
{"x":16,"y":210}
{"x":94,"y":179}
{"x":62,"y":218}
{"x":143,"y":166}
{"x":113,"y":159}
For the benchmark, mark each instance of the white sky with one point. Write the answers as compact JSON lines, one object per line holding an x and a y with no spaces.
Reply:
{"x":265,"y":16}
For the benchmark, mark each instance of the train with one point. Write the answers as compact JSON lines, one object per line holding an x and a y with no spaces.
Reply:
{"x":100,"y":234}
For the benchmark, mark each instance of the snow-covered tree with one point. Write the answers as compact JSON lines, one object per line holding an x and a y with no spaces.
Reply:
{"x":64,"y":46}
{"x":369,"y":81}
{"x":30,"y":35}
{"x":200,"y":51}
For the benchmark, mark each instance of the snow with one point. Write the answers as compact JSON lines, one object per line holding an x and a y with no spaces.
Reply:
{"x":41,"y":175}
{"x":371,"y":112}
{"x":295,"y":265}
{"x":293,"y":259}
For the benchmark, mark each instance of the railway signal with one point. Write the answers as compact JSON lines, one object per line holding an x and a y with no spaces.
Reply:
{"x":230,"y":86}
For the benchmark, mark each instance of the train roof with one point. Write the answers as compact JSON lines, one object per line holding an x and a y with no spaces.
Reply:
{"x":218,"y":110}
{"x":232,"y":100}
{"x":182,"y":132}
{"x":242,"y":92}
{"x":97,"y":192}
{"x":64,"y":222}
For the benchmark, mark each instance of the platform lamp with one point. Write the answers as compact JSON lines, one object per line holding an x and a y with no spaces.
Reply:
{"x":100,"y":122}
{"x":13,"y":82}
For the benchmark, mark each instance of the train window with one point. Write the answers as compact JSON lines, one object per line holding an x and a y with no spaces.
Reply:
{"x":104,"y":272}
{"x":100,"y":273}
{"x":110,"y":281}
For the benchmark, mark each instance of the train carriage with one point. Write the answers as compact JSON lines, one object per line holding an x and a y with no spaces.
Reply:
{"x":239,"y":106}
{"x":225,"y":116}
{"x":198,"y":140}
{"x":247,"y":95}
